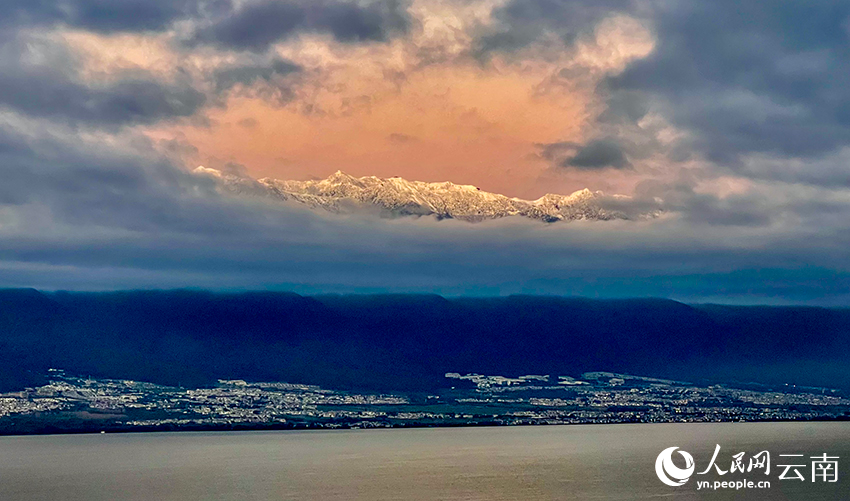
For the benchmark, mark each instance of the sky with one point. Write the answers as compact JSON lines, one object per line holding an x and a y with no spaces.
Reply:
{"x":735,"y":115}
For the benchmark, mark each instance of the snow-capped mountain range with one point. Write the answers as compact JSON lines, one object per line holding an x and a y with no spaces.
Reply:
{"x":395,"y":197}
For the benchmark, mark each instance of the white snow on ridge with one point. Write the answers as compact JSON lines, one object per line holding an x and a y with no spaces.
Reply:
{"x":396,"y":197}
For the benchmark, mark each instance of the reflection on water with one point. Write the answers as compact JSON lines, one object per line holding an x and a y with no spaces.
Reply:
{"x":598,"y":462}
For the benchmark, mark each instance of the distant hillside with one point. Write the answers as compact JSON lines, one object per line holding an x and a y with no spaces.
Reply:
{"x":408,"y":341}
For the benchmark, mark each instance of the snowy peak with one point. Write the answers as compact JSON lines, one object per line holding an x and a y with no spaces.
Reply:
{"x":396,"y":197}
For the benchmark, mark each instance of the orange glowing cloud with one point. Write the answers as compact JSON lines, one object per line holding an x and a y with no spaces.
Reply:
{"x":465,"y":125}
{"x":421,"y":107}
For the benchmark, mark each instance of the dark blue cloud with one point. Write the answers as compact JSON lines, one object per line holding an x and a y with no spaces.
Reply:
{"x":104,"y":16}
{"x":249,"y":74}
{"x":740,"y":78}
{"x":601,"y":153}
{"x":520,"y":23}
{"x":257,"y":25}
{"x":750,"y":77}
{"x":598,"y":154}
{"x":41,"y":79}
{"x":250,"y":26}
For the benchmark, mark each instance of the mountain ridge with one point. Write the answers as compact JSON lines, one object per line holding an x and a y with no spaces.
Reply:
{"x":399,"y":197}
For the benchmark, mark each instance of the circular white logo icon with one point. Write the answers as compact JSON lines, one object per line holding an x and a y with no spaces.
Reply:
{"x":671,"y":474}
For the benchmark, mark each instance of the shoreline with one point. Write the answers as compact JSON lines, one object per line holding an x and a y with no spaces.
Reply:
{"x":236,"y":428}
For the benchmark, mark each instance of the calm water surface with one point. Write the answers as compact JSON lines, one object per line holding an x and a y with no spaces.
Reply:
{"x":606,"y":462}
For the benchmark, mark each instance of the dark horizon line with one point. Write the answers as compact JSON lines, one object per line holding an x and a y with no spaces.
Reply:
{"x":447,"y":297}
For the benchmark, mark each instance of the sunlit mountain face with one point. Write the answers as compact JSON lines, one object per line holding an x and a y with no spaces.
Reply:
{"x":691,"y":150}
{"x":396,"y":197}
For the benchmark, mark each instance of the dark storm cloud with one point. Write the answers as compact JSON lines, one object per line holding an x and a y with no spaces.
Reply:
{"x":522,"y":22}
{"x":740,"y":78}
{"x":598,"y":154}
{"x":80,"y":183}
{"x":749,"y":77}
{"x":247,"y":75}
{"x":252,"y":26}
{"x":257,"y":25}
{"x":830,"y":171}
{"x":102,"y":16}
{"x":624,"y":107}
{"x":602,"y":153}
{"x":41,"y":79}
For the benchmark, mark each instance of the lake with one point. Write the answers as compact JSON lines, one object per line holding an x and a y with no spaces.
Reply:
{"x":592,"y":462}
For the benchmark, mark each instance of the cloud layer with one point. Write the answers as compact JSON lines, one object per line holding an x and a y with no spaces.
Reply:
{"x":735,"y":118}
{"x":255,"y":26}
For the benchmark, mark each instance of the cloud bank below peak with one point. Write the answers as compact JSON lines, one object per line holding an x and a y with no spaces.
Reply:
{"x":81,"y":214}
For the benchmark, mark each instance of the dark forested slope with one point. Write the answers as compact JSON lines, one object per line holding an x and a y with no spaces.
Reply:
{"x":408,"y":341}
